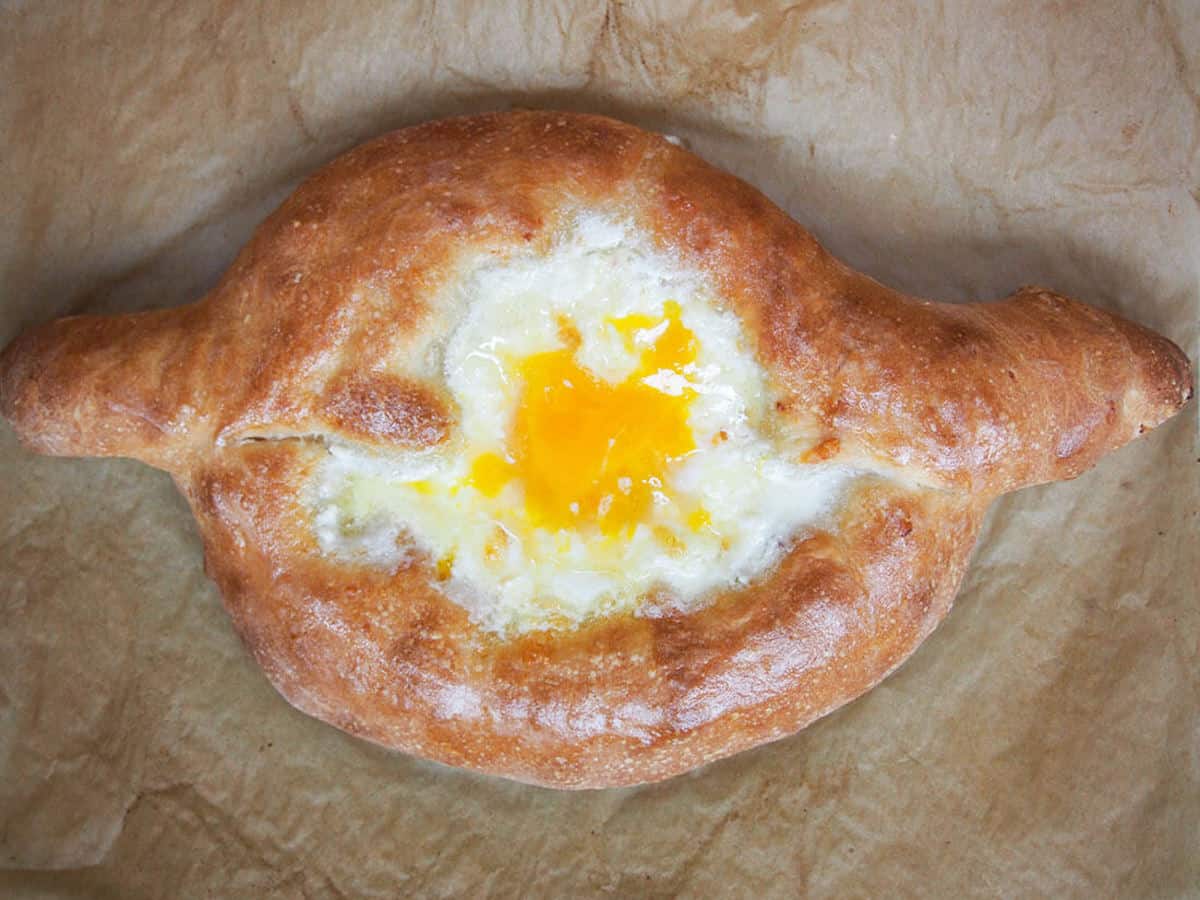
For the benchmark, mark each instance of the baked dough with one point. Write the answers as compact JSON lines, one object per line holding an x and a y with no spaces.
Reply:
{"x":330,"y":331}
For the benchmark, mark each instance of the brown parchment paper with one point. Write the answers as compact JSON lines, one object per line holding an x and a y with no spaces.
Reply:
{"x":1044,"y":742}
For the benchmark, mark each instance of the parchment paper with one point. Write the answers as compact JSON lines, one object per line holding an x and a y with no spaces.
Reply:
{"x":1043,"y":742}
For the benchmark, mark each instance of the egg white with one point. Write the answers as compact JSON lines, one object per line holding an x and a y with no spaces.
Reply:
{"x":379,"y":507}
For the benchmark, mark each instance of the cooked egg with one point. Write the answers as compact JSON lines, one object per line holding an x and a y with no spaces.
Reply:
{"x":609,"y":453}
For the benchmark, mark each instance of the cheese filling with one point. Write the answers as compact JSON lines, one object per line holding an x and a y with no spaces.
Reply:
{"x":609,"y":454}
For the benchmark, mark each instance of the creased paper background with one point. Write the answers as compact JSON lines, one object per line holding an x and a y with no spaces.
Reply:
{"x":1046,"y":739}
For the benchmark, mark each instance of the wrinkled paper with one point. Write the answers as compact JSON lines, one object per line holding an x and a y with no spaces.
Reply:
{"x":1042,"y":742}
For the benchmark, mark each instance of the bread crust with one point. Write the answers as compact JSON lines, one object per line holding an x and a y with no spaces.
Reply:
{"x":237,"y":395}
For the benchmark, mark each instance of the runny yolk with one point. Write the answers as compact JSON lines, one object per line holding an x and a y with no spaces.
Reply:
{"x":588,"y":452}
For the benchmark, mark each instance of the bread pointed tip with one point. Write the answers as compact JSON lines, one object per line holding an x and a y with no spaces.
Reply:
{"x":100,"y":386}
{"x":27,"y":395}
{"x":1168,"y":381}
{"x":1098,"y":381}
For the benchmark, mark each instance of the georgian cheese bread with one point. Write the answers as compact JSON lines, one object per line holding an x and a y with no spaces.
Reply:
{"x":533,"y":444}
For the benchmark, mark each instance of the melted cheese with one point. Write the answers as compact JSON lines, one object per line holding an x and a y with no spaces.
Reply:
{"x":609,"y":447}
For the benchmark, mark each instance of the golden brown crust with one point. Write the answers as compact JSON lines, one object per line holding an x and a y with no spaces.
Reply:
{"x":985,"y":396}
{"x":621,"y":701}
{"x":235,"y":395}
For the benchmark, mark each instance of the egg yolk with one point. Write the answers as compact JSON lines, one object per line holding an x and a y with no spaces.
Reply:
{"x":588,"y":452}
